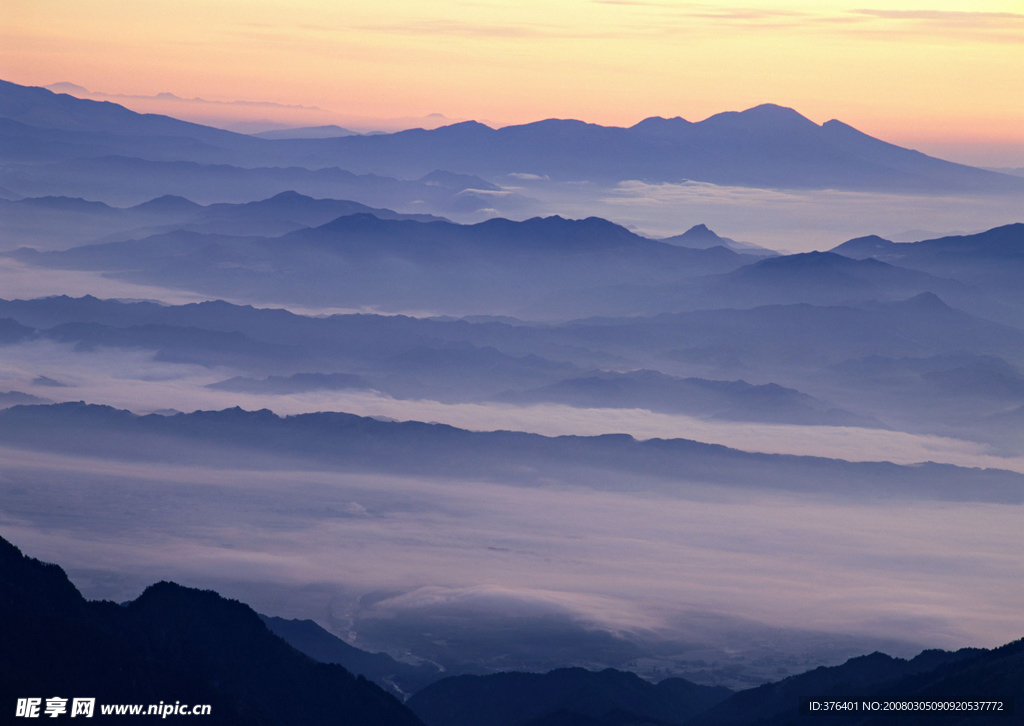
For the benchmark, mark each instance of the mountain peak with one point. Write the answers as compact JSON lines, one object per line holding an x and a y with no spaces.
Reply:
{"x":861,"y":248}
{"x":767,"y":115}
{"x":462,"y":126}
{"x":167,"y":202}
{"x":66,"y":87}
{"x":663,"y":127}
{"x":699,"y":230}
{"x":774,"y":111}
{"x":925,"y":301}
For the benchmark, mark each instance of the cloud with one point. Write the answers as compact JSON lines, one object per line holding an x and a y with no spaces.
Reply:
{"x":82,"y":92}
{"x":953,"y":16}
{"x":463,"y":29}
{"x":782,"y":219}
{"x":678,"y":17}
{"x":528,"y":177}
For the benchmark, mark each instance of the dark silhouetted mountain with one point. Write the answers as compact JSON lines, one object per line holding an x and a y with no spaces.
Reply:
{"x":170,"y":643}
{"x":364,"y":444}
{"x":964,"y":675}
{"x":307,"y":637}
{"x":609,"y":696}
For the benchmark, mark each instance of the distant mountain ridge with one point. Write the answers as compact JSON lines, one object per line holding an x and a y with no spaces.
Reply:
{"x":358,"y":260}
{"x":365,"y":444}
{"x":306,"y":132}
{"x":992,"y":260}
{"x":765,"y":146}
{"x":59,"y":222}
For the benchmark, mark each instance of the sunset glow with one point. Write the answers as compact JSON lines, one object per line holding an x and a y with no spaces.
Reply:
{"x":930,"y":72}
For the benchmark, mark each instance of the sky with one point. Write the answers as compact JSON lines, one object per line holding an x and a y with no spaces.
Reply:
{"x":938,"y":75}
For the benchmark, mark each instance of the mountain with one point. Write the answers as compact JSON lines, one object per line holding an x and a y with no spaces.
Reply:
{"x":765,"y":146}
{"x":700,"y":237}
{"x":16,"y":398}
{"x":497,"y":266}
{"x":991,"y":259}
{"x":172,"y":642}
{"x":575,"y":697}
{"x":199,"y":648}
{"x":508,"y":699}
{"x":934,"y":675}
{"x":12,"y":331}
{"x":915,"y":365}
{"x":296,"y":383}
{"x":47,"y":223}
{"x":828,"y":278}
{"x":899,"y":364}
{"x":799,"y":335}
{"x":728,"y":400}
{"x":395,"y":677}
{"x":53,"y":126}
{"x":306,"y":132}
{"x":817,"y":278}
{"x":354,"y":443}
{"x":125,"y":180}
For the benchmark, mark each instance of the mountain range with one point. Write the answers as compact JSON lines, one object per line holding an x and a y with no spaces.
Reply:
{"x":916,"y":364}
{"x":362,"y":444}
{"x":765,"y":146}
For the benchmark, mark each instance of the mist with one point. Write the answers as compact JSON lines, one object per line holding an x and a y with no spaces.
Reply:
{"x":790,"y":220}
{"x":354,"y":549}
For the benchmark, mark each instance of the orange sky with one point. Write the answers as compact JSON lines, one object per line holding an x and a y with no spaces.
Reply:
{"x":925,"y":73}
